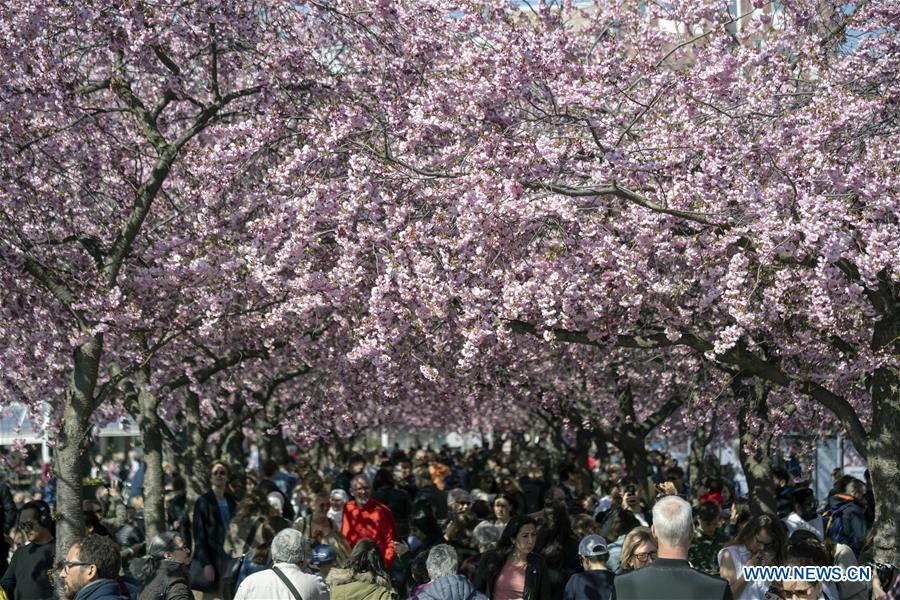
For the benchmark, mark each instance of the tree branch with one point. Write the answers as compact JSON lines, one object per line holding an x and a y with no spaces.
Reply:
{"x":614,"y":189}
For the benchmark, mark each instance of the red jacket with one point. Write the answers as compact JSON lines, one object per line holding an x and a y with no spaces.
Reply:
{"x":374,"y":521}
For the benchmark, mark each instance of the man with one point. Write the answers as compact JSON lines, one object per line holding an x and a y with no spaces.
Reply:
{"x":442,"y":565}
{"x":596,"y":582}
{"x":365,"y":517}
{"x":269,"y":485}
{"x":784,"y":492}
{"x":804,"y":516}
{"x":29,"y":575}
{"x":708,"y":539}
{"x":670,"y":576}
{"x":845,"y":517}
{"x":211,"y":518}
{"x":286,"y":576}
{"x":458,"y":501}
{"x":355,"y":466}
{"x":91,"y":570}
{"x":8,"y":515}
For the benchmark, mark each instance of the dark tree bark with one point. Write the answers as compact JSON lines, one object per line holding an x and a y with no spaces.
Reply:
{"x":70,"y":452}
{"x":152,"y":441}
{"x":883,"y":443}
{"x":755,"y":449}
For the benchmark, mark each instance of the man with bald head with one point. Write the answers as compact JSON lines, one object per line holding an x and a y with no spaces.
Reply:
{"x":365,"y":517}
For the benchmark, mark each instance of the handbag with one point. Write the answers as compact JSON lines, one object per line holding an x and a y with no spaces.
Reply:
{"x":233,"y":566}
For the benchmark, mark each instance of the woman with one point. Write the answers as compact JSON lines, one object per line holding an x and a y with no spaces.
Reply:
{"x":616,"y":525}
{"x":513,"y":570}
{"x":505,"y":508}
{"x":760,"y":542}
{"x":558,"y":545}
{"x":509,"y":486}
{"x":316,"y":525}
{"x":258,"y":557}
{"x":487,"y":484}
{"x":738,"y":515}
{"x":252,"y":511}
{"x":336,"y":540}
{"x":338,"y":498}
{"x":164,"y":573}
{"x":638,"y":550}
{"x":363,"y":577}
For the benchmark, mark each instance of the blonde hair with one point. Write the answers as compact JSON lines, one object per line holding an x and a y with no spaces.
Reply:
{"x":635,"y":537}
{"x":341,"y":547}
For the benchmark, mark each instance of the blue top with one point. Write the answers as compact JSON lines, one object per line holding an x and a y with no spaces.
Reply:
{"x":225,"y":512}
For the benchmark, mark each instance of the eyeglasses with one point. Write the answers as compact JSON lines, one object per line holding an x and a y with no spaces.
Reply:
{"x":220,"y":473}
{"x":645,"y":556}
{"x":27,"y":525}
{"x":68,"y":564}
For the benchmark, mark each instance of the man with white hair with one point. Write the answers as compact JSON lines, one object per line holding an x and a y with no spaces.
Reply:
{"x":286,"y":580}
{"x":670,"y":576}
{"x":442,"y":564}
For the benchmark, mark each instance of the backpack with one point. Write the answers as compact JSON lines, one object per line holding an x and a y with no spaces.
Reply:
{"x":833,"y":519}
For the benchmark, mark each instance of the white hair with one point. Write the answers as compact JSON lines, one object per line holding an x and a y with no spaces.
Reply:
{"x":673,"y":521}
{"x":339,"y":495}
{"x":486,"y":534}
{"x":289,"y":546}
{"x":442,"y":561}
{"x":457,"y":494}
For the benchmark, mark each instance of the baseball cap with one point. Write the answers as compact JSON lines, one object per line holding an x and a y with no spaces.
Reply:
{"x":322,"y":555}
{"x":592,"y":545}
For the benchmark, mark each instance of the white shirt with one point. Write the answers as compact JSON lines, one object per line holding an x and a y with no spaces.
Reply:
{"x":266,"y":585}
{"x":793,"y":522}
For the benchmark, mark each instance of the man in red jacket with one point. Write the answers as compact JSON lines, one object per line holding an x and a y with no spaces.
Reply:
{"x":365,"y":517}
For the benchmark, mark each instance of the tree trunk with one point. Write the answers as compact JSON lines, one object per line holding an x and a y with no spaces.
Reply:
{"x":755,"y":452}
{"x":194,"y":462}
{"x":697,"y":458}
{"x":233,"y":448}
{"x":883,"y":447}
{"x":70,"y":451}
{"x":151,"y":439}
{"x":634,"y":453}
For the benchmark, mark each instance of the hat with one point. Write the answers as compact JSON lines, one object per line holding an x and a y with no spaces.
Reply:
{"x":323,"y":554}
{"x":592,"y":546}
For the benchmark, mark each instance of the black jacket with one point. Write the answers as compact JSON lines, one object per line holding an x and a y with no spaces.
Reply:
{"x":8,"y":514}
{"x":670,"y":579}
{"x":209,"y":530}
{"x":170,"y":583}
{"x":28,"y":576}
{"x":537,"y":584}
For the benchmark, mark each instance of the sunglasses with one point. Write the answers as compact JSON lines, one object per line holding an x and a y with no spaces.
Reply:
{"x":27,"y":525}
{"x":220,"y":473}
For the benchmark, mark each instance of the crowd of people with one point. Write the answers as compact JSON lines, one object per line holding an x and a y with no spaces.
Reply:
{"x":428,"y":525}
